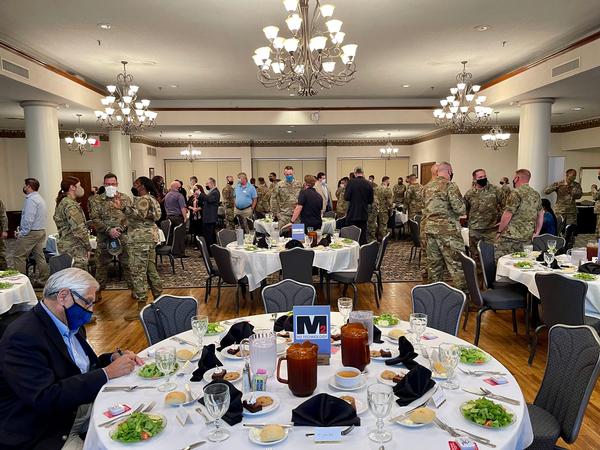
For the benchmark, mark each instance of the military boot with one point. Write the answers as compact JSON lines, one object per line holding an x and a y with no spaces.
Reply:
{"x":135,"y":316}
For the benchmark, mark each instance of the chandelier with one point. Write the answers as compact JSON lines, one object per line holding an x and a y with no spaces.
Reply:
{"x":190,"y":153}
{"x":122,"y":108}
{"x":79,"y":142}
{"x":463,"y":109}
{"x":389,"y":151}
{"x":306,"y":61}
{"x":496,"y":138}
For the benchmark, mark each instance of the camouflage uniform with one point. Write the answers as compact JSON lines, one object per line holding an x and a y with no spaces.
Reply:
{"x":142,"y":240}
{"x":443,"y":207}
{"x":73,"y":237}
{"x":104,"y":218}
{"x":413,"y":200}
{"x":525,"y":204}
{"x":483,"y":211}
{"x":3,"y":228}
{"x":284,"y":199}
{"x":373,"y":209}
{"x":596,"y":198}
{"x":566,"y":194}
{"x":342,"y":205}
{"x":262,"y":201}
{"x":385,"y":198}
{"x":504,"y":193}
{"x":399,"y":192}
{"x":229,"y":203}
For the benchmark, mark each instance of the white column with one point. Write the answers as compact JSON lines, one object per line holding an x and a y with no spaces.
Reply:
{"x":120,"y":158}
{"x":43,"y":152}
{"x":534,"y":139}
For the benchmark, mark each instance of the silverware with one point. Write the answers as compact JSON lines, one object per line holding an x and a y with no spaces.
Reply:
{"x":405,"y":414}
{"x":344,"y":432}
{"x":182,"y":370}
{"x":502,"y":398}
{"x":194,"y":445}
{"x":261,"y":425}
{"x":183,"y":341}
{"x":116,"y":419}
{"x":454,"y":433}
{"x":125,"y":388}
{"x":207,"y":421}
{"x":479,"y":373}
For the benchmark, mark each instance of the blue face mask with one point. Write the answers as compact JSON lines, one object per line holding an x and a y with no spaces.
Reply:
{"x":289,"y":178}
{"x":77,"y":316}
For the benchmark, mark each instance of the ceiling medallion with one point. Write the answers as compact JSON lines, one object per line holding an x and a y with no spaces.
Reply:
{"x":463,"y":109}
{"x":496,"y":138}
{"x":79,"y":142}
{"x":389,"y":151}
{"x":190,"y":153}
{"x":122,"y":109}
{"x":306,"y":61}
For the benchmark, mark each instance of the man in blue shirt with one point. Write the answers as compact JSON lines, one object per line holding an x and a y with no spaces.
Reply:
{"x":31,"y":238}
{"x":245,"y":197}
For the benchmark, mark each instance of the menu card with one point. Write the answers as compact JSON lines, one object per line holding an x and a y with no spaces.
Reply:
{"x":298,"y":231}
{"x":312,"y":323}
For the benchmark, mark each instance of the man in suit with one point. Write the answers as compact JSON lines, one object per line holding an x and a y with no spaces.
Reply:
{"x":210,"y":210}
{"x":359,"y":195}
{"x":49,"y":374}
{"x":323,"y":191}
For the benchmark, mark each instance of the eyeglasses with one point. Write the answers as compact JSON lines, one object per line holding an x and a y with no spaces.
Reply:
{"x":88,"y":303}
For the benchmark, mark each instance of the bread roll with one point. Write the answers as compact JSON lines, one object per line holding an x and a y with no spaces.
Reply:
{"x":271,"y":433}
{"x":184,"y":354}
{"x":422,"y":415}
{"x":175,"y":398}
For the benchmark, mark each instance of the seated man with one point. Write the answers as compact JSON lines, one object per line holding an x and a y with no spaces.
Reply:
{"x":49,"y":374}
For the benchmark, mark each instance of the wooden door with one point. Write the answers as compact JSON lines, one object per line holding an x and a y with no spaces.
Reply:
{"x":85,"y":179}
{"x":426,"y":172}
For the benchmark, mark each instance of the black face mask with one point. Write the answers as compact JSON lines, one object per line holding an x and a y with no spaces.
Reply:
{"x":514,"y":184}
{"x":207,"y":188}
{"x":135,"y":192}
{"x":230,"y":183}
{"x":482,"y":182}
{"x":502,"y":183}
{"x":25,"y":192}
{"x":451,"y":175}
{"x":599,"y":178}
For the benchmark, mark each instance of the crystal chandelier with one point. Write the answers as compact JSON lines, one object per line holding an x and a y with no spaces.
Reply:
{"x":389,"y":151}
{"x":306,"y":61}
{"x":463,"y":109}
{"x":122,"y":108}
{"x":190,"y":153}
{"x":496,"y":138}
{"x":79,"y":142}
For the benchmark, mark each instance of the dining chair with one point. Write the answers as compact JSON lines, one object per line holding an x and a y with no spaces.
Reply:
{"x":212,"y":271}
{"x":226,"y":237}
{"x":165,"y":226}
{"x":225,"y":266}
{"x":382,"y":249}
{"x":367,"y":258}
{"x":497,"y":299}
{"x":329,"y":215}
{"x":60,"y":262}
{"x":351,"y":232}
{"x":560,"y":224}
{"x":283,"y":296}
{"x":487,"y":260}
{"x":540,"y":243}
{"x":244,"y":223}
{"x":340,"y":222}
{"x":570,"y":233}
{"x":177,"y":248}
{"x":571,"y":373}
{"x":563,"y":302}
{"x":415,"y":236}
{"x":297,"y":264}
{"x":167,"y":316}
{"x":443,"y":305}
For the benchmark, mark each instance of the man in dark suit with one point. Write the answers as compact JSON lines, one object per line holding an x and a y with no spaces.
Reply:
{"x":210,"y":210}
{"x":359,"y":195}
{"x":49,"y":374}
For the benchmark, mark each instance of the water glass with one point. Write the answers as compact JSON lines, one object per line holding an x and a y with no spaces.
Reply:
{"x":528,"y":249}
{"x":449,"y":355}
{"x":551,"y":246}
{"x":166,"y":359}
{"x":379,"y":397}
{"x":345,"y":307}
{"x":418,"y":324}
{"x":199,"y":327}
{"x":216,"y":400}
{"x":548,"y":258}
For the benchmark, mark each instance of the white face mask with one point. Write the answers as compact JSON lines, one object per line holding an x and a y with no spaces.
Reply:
{"x":110,"y":191}
{"x":79,"y":192}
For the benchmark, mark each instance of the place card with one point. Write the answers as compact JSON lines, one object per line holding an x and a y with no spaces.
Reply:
{"x":313,"y":323}
{"x":438,"y":397}
{"x":183,"y":417}
{"x":429,"y":336}
{"x":328,"y":434}
{"x":496,"y":380}
{"x":468,"y":444}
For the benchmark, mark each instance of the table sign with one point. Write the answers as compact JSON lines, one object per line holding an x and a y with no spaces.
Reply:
{"x":438,"y":397}
{"x":312,"y":323}
{"x":298,"y":231}
{"x":328,"y":434}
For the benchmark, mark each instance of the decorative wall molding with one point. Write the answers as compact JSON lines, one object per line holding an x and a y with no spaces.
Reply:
{"x":575,"y":126}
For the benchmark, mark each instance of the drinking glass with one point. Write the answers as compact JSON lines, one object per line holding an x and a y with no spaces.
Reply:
{"x":548,"y":258}
{"x":336,"y":235}
{"x":528,"y":249}
{"x":366,"y":318}
{"x":248,"y":239}
{"x":216,"y":400}
{"x":165,"y":361}
{"x":418,"y":324}
{"x":449,"y":355}
{"x":551,"y":244}
{"x":345,"y":308}
{"x":380,"y":398}
{"x":199,"y":327}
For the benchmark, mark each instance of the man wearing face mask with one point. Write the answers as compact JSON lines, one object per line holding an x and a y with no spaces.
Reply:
{"x":229,"y":203}
{"x":323,"y":191}
{"x":596,"y":198}
{"x":285,"y":197}
{"x":483,"y":203}
{"x":49,"y":374}
{"x":342,"y":205}
{"x":263,"y":201}
{"x":504,"y":191}
{"x":399,"y":192}
{"x":567,"y":192}
{"x":110,"y":223}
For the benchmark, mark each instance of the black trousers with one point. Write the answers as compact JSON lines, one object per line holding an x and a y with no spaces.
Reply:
{"x":362,"y":224}
{"x":208,"y":231}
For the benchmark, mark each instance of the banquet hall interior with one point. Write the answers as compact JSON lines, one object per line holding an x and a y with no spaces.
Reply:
{"x":260,"y":103}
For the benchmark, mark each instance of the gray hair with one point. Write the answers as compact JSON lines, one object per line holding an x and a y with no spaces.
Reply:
{"x":73,"y":279}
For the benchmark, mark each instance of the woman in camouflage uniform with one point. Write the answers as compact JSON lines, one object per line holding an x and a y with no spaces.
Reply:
{"x":73,"y":237}
{"x":342,"y":204}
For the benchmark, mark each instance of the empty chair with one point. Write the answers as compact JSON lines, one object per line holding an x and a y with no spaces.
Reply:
{"x":351,"y":232}
{"x":340,"y":223}
{"x":227,"y":275}
{"x":329,"y":214}
{"x":487,"y":259}
{"x":540,"y":243}
{"x":165,"y":226}
{"x":244,"y":223}
{"x":415,"y":236}
{"x":177,"y":248}
{"x":497,"y":299}
{"x":225,"y":237}
{"x":570,"y":233}
{"x":167,"y":316}
{"x":571,"y":374}
{"x":442,"y":304}
{"x":382,"y":249}
{"x":364,"y":273}
{"x":297,"y":264}
{"x":560,"y":225}
{"x":563,"y":301}
{"x":283,"y":296}
{"x":60,"y":262}
{"x":210,"y":269}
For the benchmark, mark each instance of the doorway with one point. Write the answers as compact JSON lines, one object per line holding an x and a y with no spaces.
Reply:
{"x":426,"y":172}
{"x":85,"y":179}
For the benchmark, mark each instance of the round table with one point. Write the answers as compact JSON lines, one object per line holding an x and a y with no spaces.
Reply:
{"x":269,"y":227}
{"x":258,"y":264}
{"x":19,"y":297}
{"x":517,"y":436}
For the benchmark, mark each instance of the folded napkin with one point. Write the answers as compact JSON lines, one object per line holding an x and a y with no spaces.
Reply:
{"x":324,"y":410}
{"x":325,"y":240}
{"x":407,"y":354}
{"x":554,"y":264}
{"x":377,"y":335}
{"x":234,"y":413}
{"x":592,"y":268}
{"x":261,"y":242}
{"x":294,"y":243}
{"x":207,"y":361}
{"x":236,"y":333}
{"x":414,"y":384}
{"x":284,"y":323}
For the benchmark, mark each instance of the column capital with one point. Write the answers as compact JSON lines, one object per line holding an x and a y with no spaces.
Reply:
{"x":536,"y":100}
{"x":38,"y":103}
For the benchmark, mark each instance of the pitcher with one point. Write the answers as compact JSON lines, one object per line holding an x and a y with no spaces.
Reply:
{"x":301,"y":368}
{"x":355,"y":346}
{"x":578,"y":255}
{"x":263,"y":351}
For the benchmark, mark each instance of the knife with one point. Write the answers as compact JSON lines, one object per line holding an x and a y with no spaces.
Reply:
{"x":194,"y":445}
{"x":500,"y":398}
{"x":183,"y":341}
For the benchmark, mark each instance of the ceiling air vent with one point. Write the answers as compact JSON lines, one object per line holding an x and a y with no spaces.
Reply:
{"x":566,"y":67}
{"x":15,"y":69}
{"x":151,"y":151}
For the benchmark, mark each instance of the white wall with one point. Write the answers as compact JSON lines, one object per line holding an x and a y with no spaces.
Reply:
{"x":434,"y":150}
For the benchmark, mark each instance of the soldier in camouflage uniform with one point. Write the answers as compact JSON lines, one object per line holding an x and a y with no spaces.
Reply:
{"x":372,"y":180}
{"x":413,"y":198}
{"x":399,"y":192}
{"x":342,"y":205}
{"x":285,"y":197}
{"x":263,"y":199}
{"x":483,"y":204}
{"x":73,"y":237}
{"x":443,"y":207}
{"x":385,"y":196}
{"x":504,"y":192}
{"x":373,"y":209}
{"x":229,"y":203}
{"x":567,"y":191}
{"x":109,"y":223}
{"x":596,"y":198}
{"x":522,"y":218}
{"x":3,"y":236}
{"x":143,"y":238}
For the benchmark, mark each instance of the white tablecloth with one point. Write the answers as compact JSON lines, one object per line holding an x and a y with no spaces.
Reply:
{"x":516,"y":437}
{"x":261,"y":226}
{"x":507,"y":269}
{"x":464,"y":232}
{"x":19,"y":297}
{"x":258,"y":265}
{"x":400,"y":217}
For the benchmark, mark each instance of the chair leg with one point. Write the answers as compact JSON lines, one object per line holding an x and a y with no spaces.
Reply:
{"x":379,"y":283}
{"x":172,"y":264}
{"x":466,"y":318}
{"x":182,"y":266}
{"x":534,"y":344}
{"x":219,"y":291}
{"x":207,"y":289}
{"x":514,"y":321}
{"x":478,"y":327}
{"x":527,"y":318}
{"x":237,"y":299}
{"x":328,"y":283}
{"x":355,"y":298}
{"x":376,"y":289}
{"x":345,"y":290}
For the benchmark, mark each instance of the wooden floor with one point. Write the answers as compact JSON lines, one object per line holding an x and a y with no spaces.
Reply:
{"x":111,"y":331}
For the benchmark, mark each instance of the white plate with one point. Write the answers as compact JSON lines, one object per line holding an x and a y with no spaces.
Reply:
{"x":195,"y":358}
{"x":410,"y":424}
{"x":208,"y":374}
{"x":395,"y":353}
{"x":511,"y":411}
{"x":390,"y":382}
{"x":361,"y":406}
{"x":263,"y":411}
{"x":361,"y":384}
{"x":228,"y":356}
{"x":394,"y":340}
{"x":254,"y":436}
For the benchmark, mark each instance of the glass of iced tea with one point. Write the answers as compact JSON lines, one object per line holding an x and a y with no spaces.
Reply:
{"x":355,"y":346}
{"x":592,"y":250}
{"x":301,"y":368}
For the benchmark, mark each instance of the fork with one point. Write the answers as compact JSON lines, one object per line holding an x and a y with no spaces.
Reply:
{"x":344,"y":432}
{"x":125,"y":388}
{"x":478,"y":373}
{"x":194,"y":445}
{"x":454,"y":433}
{"x":502,"y":398}
{"x":183,"y":341}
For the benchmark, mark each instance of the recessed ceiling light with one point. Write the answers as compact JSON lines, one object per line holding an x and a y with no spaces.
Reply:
{"x":174,"y":86}
{"x":406,"y":85}
{"x":104,"y":26}
{"x":292,"y":126}
{"x":292,"y":95}
{"x":381,"y":131}
{"x":482,"y":28}
{"x":197,"y":131}
{"x":577,"y":108}
{"x":290,"y":131}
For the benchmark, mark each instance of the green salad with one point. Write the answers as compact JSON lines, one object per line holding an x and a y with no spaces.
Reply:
{"x":9,"y":273}
{"x":519,"y":255}
{"x":386,"y":320}
{"x":486,"y":413}
{"x":336,"y":246}
{"x":151,"y":370}
{"x":250,"y":248}
{"x":585,"y":276}
{"x":4,"y":285}
{"x":347,"y":241}
{"x":138,"y":427}
{"x":471,"y":355}
{"x":214,"y":328}
{"x":524,"y":265}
